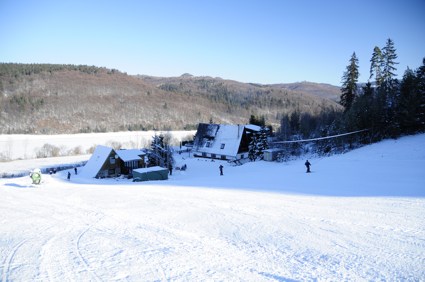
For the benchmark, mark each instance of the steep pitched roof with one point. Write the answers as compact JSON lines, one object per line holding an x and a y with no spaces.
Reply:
{"x":220,"y":139}
{"x":96,"y":161}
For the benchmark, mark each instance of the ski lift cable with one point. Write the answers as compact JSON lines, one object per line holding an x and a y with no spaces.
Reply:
{"x":320,"y":138}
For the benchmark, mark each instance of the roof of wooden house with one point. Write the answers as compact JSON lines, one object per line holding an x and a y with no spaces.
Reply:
{"x":127,"y":155}
{"x":96,"y":161}
{"x":222,"y":139}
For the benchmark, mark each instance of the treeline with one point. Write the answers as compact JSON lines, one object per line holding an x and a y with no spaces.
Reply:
{"x":384,"y":107}
{"x":261,"y":99}
{"x":219,"y":92}
{"x":15,"y":70}
{"x":388,"y":107}
{"x":51,"y":99}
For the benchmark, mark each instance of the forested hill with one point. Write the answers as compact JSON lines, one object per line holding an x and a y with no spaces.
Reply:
{"x":318,"y":89}
{"x":44,"y":98}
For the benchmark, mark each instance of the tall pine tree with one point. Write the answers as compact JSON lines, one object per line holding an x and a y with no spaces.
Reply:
{"x":390,"y":89}
{"x":407,"y":103}
{"x":376,"y":64}
{"x":349,"y":83}
{"x":420,"y":113}
{"x":389,"y":56}
{"x":156,"y":156}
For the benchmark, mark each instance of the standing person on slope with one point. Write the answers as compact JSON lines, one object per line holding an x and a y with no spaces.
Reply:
{"x":308,"y":164}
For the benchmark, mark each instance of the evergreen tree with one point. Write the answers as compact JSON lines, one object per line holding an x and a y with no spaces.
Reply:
{"x":408,"y":102}
{"x":390,"y":89}
{"x":260,"y":121}
{"x":376,"y":64}
{"x":168,"y":157}
{"x":360,"y":115}
{"x":294,"y":122}
{"x":368,"y":90}
{"x":263,"y":143}
{"x":389,"y":56}
{"x":156,"y":155}
{"x":349,"y":83}
{"x":285,"y":128}
{"x":253,"y":147}
{"x":160,"y":153}
{"x":308,"y":125}
{"x":365,"y":106}
{"x":420,"y":113}
{"x":258,"y":144}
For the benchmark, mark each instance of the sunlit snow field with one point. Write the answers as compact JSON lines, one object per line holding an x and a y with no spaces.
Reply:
{"x":357,"y":216}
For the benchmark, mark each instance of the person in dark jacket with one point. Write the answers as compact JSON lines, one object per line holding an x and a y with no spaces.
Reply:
{"x":308,"y":164}
{"x":75,"y":170}
{"x":69,"y":175}
{"x":221,"y":169}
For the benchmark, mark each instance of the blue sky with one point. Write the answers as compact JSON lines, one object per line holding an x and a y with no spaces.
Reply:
{"x":260,"y":41}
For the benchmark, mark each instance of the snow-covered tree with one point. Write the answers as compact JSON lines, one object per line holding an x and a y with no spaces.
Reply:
{"x":160,"y":153}
{"x":258,"y":144}
{"x":155,"y":154}
{"x":253,"y":149}
{"x":263,"y":144}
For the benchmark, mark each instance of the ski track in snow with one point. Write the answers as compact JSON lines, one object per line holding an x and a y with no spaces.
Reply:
{"x":116,"y":230}
{"x":7,"y":263}
{"x":215,"y":238}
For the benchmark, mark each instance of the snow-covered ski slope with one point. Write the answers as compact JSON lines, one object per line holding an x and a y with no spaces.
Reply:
{"x":358,"y":216}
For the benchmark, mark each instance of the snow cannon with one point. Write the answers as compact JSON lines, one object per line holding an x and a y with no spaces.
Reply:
{"x":36,"y":176}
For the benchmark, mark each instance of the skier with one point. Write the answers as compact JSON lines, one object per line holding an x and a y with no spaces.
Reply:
{"x":75,"y":169}
{"x":69,"y":175}
{"x":308,"y":164}
{"x":221,"y":169}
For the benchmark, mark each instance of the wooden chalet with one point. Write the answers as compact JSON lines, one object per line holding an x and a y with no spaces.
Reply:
{"x":222,"y":141}
{"x":107,"y":162}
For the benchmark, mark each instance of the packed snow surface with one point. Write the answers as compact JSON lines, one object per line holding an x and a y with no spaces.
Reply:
{"x":357,"y":216}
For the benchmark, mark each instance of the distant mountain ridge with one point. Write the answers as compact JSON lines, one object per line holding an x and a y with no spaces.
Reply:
{"x":44,"y":98}
{"x":323,"y":90}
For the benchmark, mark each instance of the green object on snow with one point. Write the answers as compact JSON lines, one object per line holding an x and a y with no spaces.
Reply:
{"x":36,"y":176}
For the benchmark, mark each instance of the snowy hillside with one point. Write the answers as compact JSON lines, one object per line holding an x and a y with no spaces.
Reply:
{"x":357,"y":216}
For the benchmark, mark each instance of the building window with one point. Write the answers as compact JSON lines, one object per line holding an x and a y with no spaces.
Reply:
{"x":223,"y":157}
{"x":112,"y":160}
{"x":132,"y":164}
{"x":222,"y":146}
{"x":208,"y":144}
